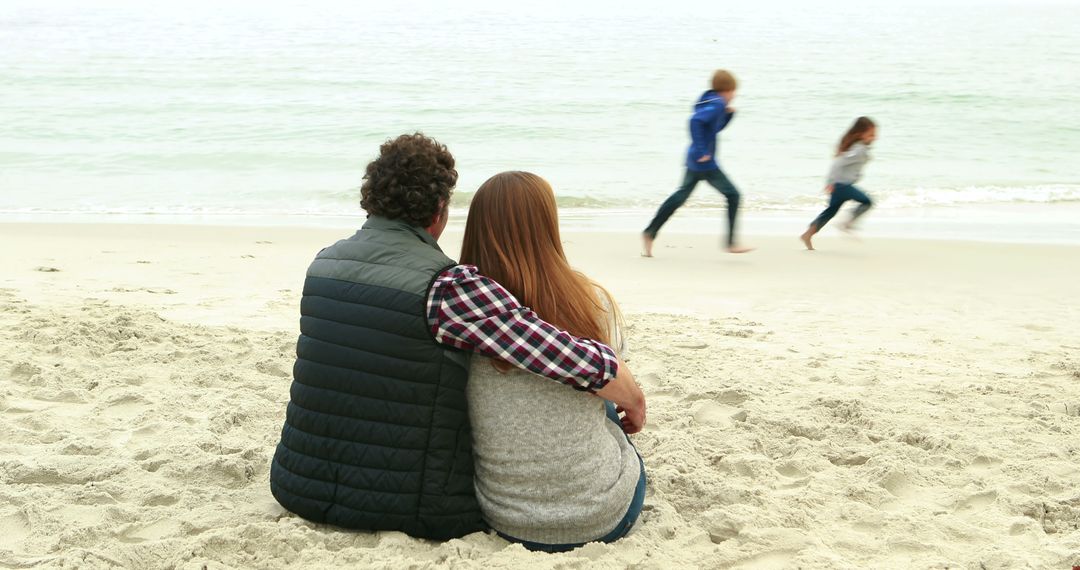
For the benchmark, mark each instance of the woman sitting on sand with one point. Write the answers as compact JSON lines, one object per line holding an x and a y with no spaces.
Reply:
{"x":554,"y":469}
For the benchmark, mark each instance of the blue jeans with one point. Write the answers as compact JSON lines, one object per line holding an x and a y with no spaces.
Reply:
{"x":842,"y":193}
{"x":717,"y":180}
{"x":620,"y":529}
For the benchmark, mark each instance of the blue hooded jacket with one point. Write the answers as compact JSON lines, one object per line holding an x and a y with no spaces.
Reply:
{"x":709,"y":118}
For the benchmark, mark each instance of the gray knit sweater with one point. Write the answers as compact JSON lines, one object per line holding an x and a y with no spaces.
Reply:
{"x":847,"y":167}
{"x":550,"y":466}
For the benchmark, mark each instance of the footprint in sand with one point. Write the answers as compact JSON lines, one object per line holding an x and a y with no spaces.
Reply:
{"x":152,"y":465}
{"x":24,"y":371}
{"x":147,"y":532}
{"x":161,"y":500}
{"x":39,"y":475}
{"x":142,"y":290}
{"x":230,"y":472}
{"x":1056,"y":516}
{"x":982,"y":462}
{"x":217,"y":448}
{"x":732,"y":397}
{"x":775,"y":560}
{"x":737,"y":333}
{"x":712,"y":413}
{"x":14,"y":526}
{"x":271,"y":368}
{"x":790,"y":470}
{"x":793,"y":476}
{"x":976,"y":502}
{"x":1065,"y":408}
{"x":849,"y":459}
{"x":134,"y":437}
{"x":867,"y":527}
{"x":63,"y":396}
{"x":81,"y":447}
{"x":723,"y":526}
{"x":1025,"y":527}
{"x":649,"y":380}
{"x":125,"y":407}
{"x":46,"y":269}
{"x":81,"y":515}
{"x":898,"y":485}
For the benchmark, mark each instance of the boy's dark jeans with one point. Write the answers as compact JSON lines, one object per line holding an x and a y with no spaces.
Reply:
{"x":842,"y":193}
{"x":717,"y":180}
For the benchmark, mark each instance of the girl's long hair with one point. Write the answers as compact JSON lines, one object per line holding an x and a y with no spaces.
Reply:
{"x":512,"y":236}
{"x":862,"y":124}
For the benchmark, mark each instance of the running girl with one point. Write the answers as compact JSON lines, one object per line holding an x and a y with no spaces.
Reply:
{"x":851,"y":156}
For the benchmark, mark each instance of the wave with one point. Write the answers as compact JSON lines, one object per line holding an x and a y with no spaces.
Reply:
{"x":346,"y":203}
{"x":1042,"y":194}
{"x":463,"y":199}
{"x":889,"y":198}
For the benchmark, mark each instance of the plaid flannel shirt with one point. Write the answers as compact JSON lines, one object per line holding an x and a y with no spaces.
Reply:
{"x":469,"y":311}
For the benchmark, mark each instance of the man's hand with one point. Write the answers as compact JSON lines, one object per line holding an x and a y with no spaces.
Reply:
{"x":829,"y":189}
{"x":628,"y":398}
{"x":705,"y":158}
{"x":633,"y":421}
{"x":730,"y":109}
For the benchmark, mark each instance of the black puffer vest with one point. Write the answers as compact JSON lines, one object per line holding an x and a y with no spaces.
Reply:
{"x":376,"y":434}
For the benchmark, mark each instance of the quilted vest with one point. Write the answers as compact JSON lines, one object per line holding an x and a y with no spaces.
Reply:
{"x":376,"y":433}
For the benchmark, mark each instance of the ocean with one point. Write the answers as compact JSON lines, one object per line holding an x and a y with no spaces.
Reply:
{"x":271,"y":110}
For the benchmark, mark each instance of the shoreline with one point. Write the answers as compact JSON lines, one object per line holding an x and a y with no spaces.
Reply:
{"x":988,"y":223}
{"x":235,"y":274}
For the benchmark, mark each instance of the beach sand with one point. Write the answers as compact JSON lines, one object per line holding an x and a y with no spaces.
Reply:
{"x":874,"y":404}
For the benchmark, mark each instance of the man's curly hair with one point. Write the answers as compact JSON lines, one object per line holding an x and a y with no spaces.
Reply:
{"x":412,"y":175}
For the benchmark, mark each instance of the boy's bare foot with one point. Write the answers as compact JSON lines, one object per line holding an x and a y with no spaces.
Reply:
{"x":805,"y":237}
{"x":847,"y":227}
{"x":739,"y":249}
{"x":646,"y":244}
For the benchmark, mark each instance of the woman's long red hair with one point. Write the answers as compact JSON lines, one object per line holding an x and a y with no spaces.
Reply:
{"x":512,"y":236}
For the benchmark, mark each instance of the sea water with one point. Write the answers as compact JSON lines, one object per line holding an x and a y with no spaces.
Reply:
{"x":270,"y":110}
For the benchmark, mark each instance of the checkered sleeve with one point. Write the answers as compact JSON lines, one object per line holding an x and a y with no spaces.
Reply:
{"x":469,"y":311}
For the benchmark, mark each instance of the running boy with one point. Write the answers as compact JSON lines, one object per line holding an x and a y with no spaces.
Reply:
{"x":712,"y":113}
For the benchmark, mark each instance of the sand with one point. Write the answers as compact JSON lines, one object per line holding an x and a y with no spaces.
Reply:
{"x":877,"y":404}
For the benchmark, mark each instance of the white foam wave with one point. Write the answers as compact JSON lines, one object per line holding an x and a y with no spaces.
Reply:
{"x":345,"y":204}
{"x":922,"y":197}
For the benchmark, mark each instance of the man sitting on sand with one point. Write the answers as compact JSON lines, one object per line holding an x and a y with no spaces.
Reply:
{"x":376,"y":434}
